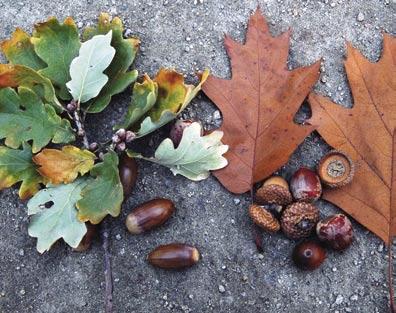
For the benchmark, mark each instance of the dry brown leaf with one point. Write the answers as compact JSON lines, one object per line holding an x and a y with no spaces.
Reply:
{"x":258,"y":105}
{"x":63,"y":166}
{"x":367,"y":133}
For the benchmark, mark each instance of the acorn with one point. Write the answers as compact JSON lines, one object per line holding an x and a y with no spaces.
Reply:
{"x":149,"y":215}
{"x":299,"y":219}
{"x":275,"y":190}
{"x":336,"y":169}
{"x":336,"y":231}
{"x":86,"y":241}
{"x":128,"y":172}
{"x":176,"y":132}
{"x":174,"y":256}
{"x":305,"y":185}
{"x":264,"y":218}
{"x":308,"y":255}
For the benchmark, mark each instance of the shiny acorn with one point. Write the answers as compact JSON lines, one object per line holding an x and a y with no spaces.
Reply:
{"x":176,"y":132}
{"x":308,"y":255}
{"x":275,"y":190}
{"x":86,"y":242}
{"x":305,"y":185}
{"x":149,"y":215}
{"x":336,"y":231}
{"x":128,"y":171}
{"x":174,"y":256}
{"x":336,"y":169}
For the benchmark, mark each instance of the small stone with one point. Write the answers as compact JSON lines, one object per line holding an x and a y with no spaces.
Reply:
{"x":354,"y":298}
{"x":260,"y":256}
{"x":165,"y":297}
{"x":244,"y":278}
{"x":118,"y":237}
{"x":333,"y":4}
{"x":360,"y":17}
{"x":236,"y":201}
{"x":21,"y":252}
{"x":3,"y":293}
{"x":116,"y":280}
{"x":191,"y":297}
{"x":339,"y":299}
{"x":80,"y":24}
{"x":188,"y":38}
{"x":187,"y":49}
{"x":22,"y":292}
{"x":221,"y":289}
{"x":224,"y":267}
{"x":323,"y":79}
{"x":128,"y":32}
{"x":380,"y":248}
{"x":216,"y":115}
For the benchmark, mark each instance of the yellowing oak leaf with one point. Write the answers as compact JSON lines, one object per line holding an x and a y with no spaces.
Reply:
{"x":17,"y":166}
{"x":63,"y":166}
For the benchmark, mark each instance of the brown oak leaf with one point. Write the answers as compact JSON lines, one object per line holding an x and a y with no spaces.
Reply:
{"x":258,"y":105}
{"x":367,"y":133}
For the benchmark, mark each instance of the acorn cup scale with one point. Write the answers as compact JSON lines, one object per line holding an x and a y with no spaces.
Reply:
{"x":274,"y":190}
{"x":174,"y":256}
{"x":149,"y":215}
{"x":299,"y":220}
{"x":263,"y":218}
{"x":336,"y":169}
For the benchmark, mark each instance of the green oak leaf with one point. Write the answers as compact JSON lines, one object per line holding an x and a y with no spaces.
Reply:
{"x":119,"y":76}
{"x":144,"y":97}
{"x":20,"y":75}
{"x":17,"y":166}
{"x":57,"y":45}
{"x":195,"y":156}
{"x":20,"y":51}
{"x":54,"y":215}
{"x":173,"y":97}
{"x":104,"y":194}
{"x":86,"y":70}
{"x":24,"y":117}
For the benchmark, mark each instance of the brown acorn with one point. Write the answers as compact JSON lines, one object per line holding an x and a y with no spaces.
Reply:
{"x":305,"y":185}
{"x":264,"y":218}
{"x":336,"y":231}
{"x":275,"y":190}
{"x":149,"y":215}
{"x":308,"y":255}
{"x":86,"y":242}
{"x":299,"y":219}
{"x":128,"y":172}
{"x":174,"y":256}
{"x":336,"y":169}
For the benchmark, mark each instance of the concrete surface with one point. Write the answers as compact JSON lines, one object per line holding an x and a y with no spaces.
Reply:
{"x":232,"y":276}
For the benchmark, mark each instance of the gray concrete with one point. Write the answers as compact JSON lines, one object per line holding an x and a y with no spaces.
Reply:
{"x":188,"y":35}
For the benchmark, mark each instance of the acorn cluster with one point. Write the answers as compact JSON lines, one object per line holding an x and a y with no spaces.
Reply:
{"x":290,"y":208}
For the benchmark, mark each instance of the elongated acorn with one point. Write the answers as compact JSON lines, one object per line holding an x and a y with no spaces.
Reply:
{"x":86,"y":242}
{"x":128,"y":172}
{"x":174,"y":256}
{"x":149,"y":215}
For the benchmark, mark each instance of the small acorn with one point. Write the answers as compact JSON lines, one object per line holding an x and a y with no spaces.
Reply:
{"x":305,"y":185}
{"x":176,"y":132}
{"x":336,"y":169}
{"x":264,"y":218}
{"x":275,"y":190}
{"x":308,"y":255}
{"x":128,"y":172}
{"x":86,"y":242}
{"x":149,"y":215}
{"x":174,"y":256}
{"x":336,"y":231}
{"x":299,"y":219}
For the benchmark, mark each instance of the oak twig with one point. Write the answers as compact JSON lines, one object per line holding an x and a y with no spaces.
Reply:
{"x":105,"y":232}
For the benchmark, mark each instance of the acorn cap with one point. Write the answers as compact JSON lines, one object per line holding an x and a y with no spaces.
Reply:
{"x":336,"y":169}
{"x":263,"y":218}
{"x":299,"y":219}
{"x":275,"y":190}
